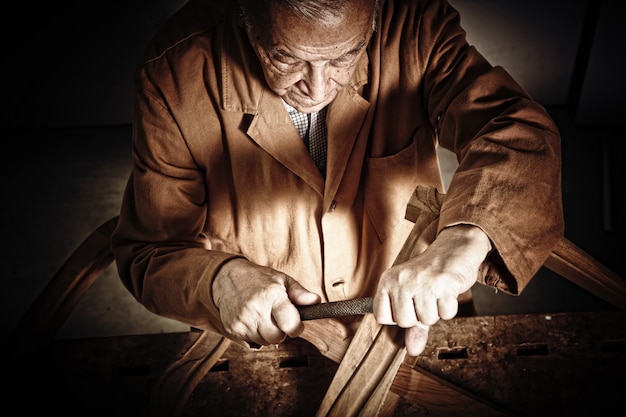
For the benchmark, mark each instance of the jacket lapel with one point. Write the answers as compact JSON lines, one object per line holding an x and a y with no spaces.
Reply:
{"x":346,"y":145}
{"x":272,"y":129}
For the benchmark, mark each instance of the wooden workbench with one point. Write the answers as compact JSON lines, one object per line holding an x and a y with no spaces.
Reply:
{"x":528,"y":365}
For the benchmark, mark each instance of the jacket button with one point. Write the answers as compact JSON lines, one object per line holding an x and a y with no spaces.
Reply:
{"x":333,"y":206}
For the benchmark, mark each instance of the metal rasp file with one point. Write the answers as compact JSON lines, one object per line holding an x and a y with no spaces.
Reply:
{"x":355,"y":307}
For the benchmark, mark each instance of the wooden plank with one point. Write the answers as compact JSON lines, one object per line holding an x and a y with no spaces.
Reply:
{"x":571,"y":262}
{"x":366,"y":371}
{"x":436,"y":394}
{"x":379,"y":399}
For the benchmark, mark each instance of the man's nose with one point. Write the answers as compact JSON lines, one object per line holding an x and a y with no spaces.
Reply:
{"x":317,"y":78}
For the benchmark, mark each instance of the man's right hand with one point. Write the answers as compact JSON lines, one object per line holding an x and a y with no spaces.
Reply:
{"x":256,"y":303}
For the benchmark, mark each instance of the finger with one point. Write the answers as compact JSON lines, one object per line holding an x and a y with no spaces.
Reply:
{"x":271,"y":336}
{"x":287,"y":319}
{"x":404,"y":312}
{"x":448,"y":307}
{"x":269,"y":332}
{"x":300,"y":295}
{"x":415,"y":339}
{"x":244,"y":333}
{"x":427,"y":310}
{"x":382,"y":309}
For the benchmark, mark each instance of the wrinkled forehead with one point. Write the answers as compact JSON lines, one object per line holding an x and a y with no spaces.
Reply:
{"x":267,"y":15}
{"x":311,"y":22}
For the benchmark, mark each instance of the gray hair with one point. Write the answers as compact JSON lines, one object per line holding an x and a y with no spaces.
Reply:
{"x":321,"y":10}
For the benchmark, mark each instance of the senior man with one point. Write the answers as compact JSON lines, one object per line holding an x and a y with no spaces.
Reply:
{"x":276,"y":144}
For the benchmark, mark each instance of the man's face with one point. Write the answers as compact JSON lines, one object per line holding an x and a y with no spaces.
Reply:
{"x":307,"y":63}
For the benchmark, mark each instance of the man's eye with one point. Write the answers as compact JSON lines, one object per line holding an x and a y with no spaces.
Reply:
{"x":287,"y":64}
{"x":344,"y":61}
{"x":282,"y":60}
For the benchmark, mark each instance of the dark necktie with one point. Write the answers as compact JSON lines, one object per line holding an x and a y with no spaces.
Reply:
{"x":312,"y":130}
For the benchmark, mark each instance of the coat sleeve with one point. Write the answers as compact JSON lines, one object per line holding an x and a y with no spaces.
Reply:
{"x":158,"y":243}
{"x":509,"y":177}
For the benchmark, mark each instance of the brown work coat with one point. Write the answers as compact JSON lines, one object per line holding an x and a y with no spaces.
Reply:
{"x":220,"y":171}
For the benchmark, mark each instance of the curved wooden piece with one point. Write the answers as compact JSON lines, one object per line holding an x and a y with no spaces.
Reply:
{"x":330,"y":336}
{"x":63,"y":292}
{"x":173,"y":388}
{"x":571,"y":262}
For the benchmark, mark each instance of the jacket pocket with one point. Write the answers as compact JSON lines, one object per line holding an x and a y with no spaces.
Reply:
{"x":389,"y":184}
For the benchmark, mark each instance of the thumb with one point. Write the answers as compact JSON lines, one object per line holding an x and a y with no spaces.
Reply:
{"x":415,"y":339}
{"x":300,"y":295}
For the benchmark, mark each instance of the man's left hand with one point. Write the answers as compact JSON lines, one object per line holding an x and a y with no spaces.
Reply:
{"x":417,"y":293}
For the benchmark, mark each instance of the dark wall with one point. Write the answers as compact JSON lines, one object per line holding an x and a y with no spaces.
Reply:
{"x":71,"y":63}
